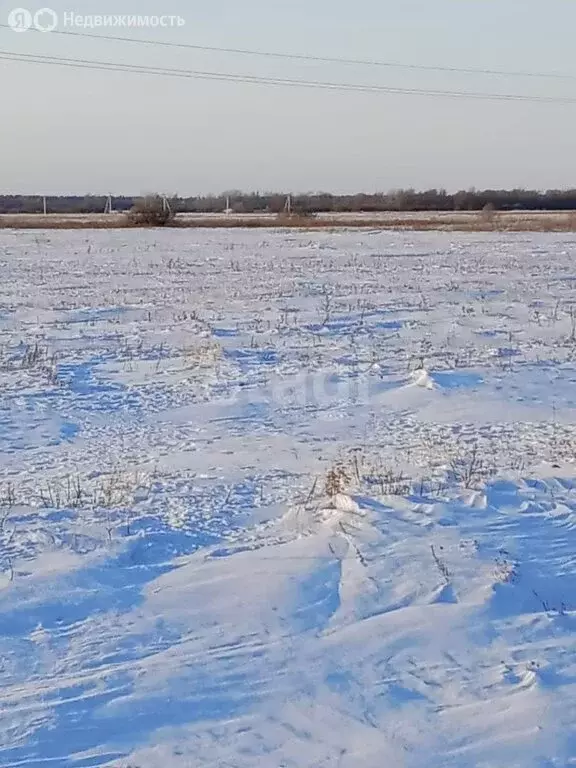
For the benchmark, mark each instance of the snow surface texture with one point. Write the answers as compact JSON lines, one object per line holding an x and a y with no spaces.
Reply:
{"x":287,"y":500}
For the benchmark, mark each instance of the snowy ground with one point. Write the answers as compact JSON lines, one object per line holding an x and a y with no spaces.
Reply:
{"x":287,"y":500}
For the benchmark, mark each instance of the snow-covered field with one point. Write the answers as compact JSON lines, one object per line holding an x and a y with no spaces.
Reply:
{"x":287,"y":500}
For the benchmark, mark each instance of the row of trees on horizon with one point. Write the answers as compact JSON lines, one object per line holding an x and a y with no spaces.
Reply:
{"x":321,"y":202}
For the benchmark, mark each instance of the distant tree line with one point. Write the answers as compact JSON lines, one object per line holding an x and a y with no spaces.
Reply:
{"x":321,"y":202}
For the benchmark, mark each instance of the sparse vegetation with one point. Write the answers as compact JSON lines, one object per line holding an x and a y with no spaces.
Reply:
{"x":337,"y":480}
{"x":469,"y":467}
{"x":455,"y":221}
{"x":280,"y":452}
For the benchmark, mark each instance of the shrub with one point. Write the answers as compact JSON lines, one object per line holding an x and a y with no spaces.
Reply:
{"x":337,"y":479}
{"x":488,"y":213}
{"x":150,"y":211}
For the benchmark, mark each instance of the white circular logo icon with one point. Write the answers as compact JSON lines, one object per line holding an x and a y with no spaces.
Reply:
{"x":20,"y":19}
{"x":45,"y":20}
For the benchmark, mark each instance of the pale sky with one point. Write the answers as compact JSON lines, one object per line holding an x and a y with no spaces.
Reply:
{"x":66,"y":130}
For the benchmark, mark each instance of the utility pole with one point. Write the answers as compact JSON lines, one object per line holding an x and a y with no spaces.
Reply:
{"x":44,"y":204}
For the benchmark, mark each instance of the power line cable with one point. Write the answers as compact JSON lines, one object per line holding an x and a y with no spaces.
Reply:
{"x":274,"y":81}
{"x":314,"y":58}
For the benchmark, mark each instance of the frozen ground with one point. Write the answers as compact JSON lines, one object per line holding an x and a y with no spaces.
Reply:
{"x":287,"y":500}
